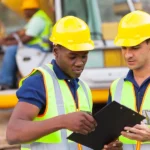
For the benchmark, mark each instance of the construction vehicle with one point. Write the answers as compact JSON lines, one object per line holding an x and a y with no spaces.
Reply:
{"x":105,"y":63}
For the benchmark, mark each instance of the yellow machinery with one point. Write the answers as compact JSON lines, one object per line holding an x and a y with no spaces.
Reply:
{"x":105,"y":63}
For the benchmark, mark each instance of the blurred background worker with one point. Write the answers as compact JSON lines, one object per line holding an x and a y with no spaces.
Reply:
{"x":2,"y":32}
{"x":53,"y":93}
{"x":133,"y":91}
{"x":2,"y":29}
{"x":34,"y":35}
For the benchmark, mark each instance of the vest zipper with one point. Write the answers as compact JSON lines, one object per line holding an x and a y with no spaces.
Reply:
{"x":138,"y":99}
{"x":138,"y":144}
{"x":77,"y":101}
{"x":79,"y":145}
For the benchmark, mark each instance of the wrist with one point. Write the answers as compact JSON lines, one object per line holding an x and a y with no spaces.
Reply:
{"x":148,"y":133}
{"x":63,"y":121}
{"x":60,"y":122}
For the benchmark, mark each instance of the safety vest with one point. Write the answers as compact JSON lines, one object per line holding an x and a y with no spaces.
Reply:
{"x":59,"y":100}
{"x":45,"y":33}
{"x":123,"y":92}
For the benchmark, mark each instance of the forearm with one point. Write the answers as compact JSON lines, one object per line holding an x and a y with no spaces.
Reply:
{"x":11,"y":42}
{"x":22,"y":131}
{"x":24,"y":39}
{"x":19,"y":33}
{"x":11,"y":36}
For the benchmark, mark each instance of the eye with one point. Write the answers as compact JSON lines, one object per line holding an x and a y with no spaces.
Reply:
{"x":84,"y":56}
{"x":123,"y":48}
{"x":135,"y":47}
{"x":72,"y":57}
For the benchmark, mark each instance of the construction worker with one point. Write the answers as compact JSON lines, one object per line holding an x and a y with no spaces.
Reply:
{"x":2,"y":33}
{"x":2,"y":29}
{"x":33,"y":35}
{"x":52,"y":98}
{"x":133,"y":90}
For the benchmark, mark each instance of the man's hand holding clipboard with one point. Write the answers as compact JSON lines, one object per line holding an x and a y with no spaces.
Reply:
{"x":111,"y":120}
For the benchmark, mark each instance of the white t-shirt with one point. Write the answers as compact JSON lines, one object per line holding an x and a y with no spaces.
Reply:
{"x":35,"y":26}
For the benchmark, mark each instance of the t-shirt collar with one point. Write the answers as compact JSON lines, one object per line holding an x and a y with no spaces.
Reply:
{"x":59,"y":73}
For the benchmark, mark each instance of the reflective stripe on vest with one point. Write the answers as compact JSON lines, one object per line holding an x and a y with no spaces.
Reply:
{"x":65,"y":144}
{"x":119,"y":89}
{"x":45,"y":33}
{"x":117,"y":96}
{"x":56,"y":85}
{"x":41,"y":146}
{"x":25,"y":147}
{"x":133,"y":147}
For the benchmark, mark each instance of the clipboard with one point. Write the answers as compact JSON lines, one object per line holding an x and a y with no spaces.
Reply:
{"x":111,"y":120}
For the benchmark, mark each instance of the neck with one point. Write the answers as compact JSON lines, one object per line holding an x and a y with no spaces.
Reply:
{"x":141,"y":75}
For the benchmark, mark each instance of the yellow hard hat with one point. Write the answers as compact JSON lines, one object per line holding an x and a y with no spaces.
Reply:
{"x":133,"y":29}
{"x":30,"y":4}
{"x":72,"y":33}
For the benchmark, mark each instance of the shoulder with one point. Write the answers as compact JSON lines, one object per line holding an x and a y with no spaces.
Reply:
{"x":32,"y":83}
{"x":33,"y":91}
{"x":35,"y":26}
{"x":114,"y":83}
{"x":36,"y":21}
{"x":36,"y":79}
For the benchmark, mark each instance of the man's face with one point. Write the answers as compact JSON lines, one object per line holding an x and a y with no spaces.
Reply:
{"x":29,"y":13}
{"x":72,"y":63}
{"x":137,"y":57}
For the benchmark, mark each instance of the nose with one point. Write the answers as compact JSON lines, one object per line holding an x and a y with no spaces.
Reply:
{"x":128,"y":54}
{"x":79,"y":62}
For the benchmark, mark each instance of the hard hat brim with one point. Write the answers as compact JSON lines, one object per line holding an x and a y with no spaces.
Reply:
{"x":36,"y":7}
{"x":81,"y":47}
{"x":128,"y":41}
{"x":75,"y":46}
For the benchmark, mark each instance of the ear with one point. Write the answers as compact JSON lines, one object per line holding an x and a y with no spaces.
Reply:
{"x":148,"y":43}
{"x":149,"y":46}
{"x":55,"y":50}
